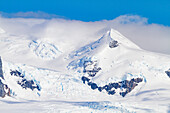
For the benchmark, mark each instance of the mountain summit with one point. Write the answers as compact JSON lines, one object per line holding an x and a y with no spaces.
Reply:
{"x":115,"y":35}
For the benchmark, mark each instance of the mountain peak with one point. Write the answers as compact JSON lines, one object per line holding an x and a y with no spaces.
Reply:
{"x":115,"y":35}
{"x":110,"y":39}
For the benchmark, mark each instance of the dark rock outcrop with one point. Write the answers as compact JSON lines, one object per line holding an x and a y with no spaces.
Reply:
{"x":113,"y":44}
{"x":128,"y":86}
{"x":93,"y":70}
{"x":111,"y":92}
{"x":2,"y":91}
{"x":84,"y":79}
{"x":16,"y":73}
{"x":24,"y":83}
{"x":93,"y":85}
{"x":28,"y":84}
{"x":168,"y":73}
{"x":1,"y":72}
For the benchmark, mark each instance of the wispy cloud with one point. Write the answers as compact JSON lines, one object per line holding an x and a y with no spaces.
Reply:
{"x":30,"y":14}
{"x":153,"y":37}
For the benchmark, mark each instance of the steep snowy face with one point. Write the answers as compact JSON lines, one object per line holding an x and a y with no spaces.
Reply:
{"x":115,"y":35}
{"x":105,"y":41}
{"x":103,"y":52}
{"x":45,"y":50}
{"x":111,"y":39}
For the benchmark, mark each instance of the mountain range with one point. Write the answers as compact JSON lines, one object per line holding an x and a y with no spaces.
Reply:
{"x":111,"y":74}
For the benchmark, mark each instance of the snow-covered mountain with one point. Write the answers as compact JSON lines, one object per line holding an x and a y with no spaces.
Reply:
{"x":44,"y":50}
{"x":107,"y":75}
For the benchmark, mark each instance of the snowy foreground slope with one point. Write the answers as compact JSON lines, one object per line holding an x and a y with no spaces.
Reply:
{"x":111,"y":74}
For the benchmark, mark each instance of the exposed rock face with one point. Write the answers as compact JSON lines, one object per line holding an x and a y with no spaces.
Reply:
{"x":93,"y":85}
{"x":24,"y":83}
{"x":90,"y":67}
{"x":16,"y":73}
{"x":1,"y":72}
{"x":129,"y":85}
{"x":84,"y":79}
{"x":113,"y":44}
{"x":2,"y":91}
{"x":5,"y":90}
{"x":28,"y":84}
{"x":111,"y":88}
{"x":168,"y":73}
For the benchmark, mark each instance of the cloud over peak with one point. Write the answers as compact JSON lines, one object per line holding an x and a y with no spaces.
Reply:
{"x":152,"y":37}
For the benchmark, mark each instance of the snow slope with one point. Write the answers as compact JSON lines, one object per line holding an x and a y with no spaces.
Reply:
{"x":111,"y":74}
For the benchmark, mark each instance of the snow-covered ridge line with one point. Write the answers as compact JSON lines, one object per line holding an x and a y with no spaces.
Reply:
{"x":105,"y":40}
{"x":44,"y":50}
{"x":122,"y":39}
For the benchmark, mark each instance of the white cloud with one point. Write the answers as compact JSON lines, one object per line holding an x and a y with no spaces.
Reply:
{"x":30,"y":14}
{"x":153,"y":37}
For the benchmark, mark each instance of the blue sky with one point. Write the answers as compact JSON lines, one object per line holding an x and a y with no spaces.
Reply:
{"x":157,"y":11}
